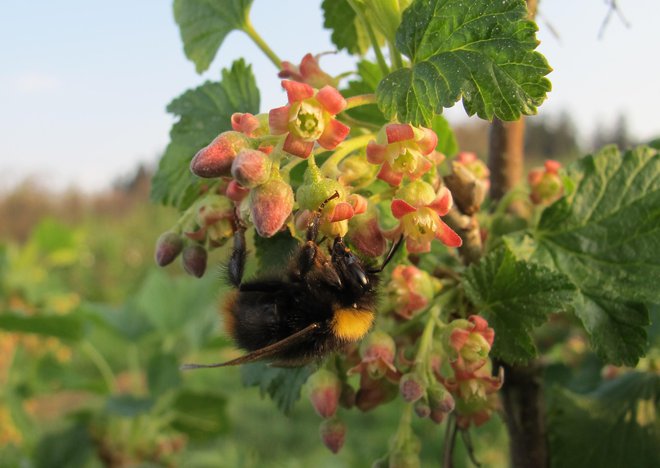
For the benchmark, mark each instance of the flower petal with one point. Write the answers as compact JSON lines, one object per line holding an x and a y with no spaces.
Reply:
{"x":245,"y":123}
{"x":401,"y":208}
{"x":297,"y":147}
{"x":390,"y":176}
{"x":297,"y":91}
{"x":458,"y":338}
{"x":428,"y":142}
{"x":341,"y":211}
{"x":331,"y":100}
{"x":399,"y":132}
{"x":278,"y":120}
{"x":448,"y":236}
{"x":334,"y":133}
{"x":376,"y":153}
{"x":358,"y":202}
{"x":443,"y":203}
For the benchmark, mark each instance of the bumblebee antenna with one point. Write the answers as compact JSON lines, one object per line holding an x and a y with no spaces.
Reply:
{"x":393,"y":250}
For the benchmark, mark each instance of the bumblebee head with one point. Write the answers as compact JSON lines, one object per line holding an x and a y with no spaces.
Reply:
{"x":349,"y":267}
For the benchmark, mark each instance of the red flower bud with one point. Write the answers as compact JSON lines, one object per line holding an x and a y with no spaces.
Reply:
{"x":168,"y":247}
{"x":236,"y":192}
{"x":441,"y":403}
{"x":215,"y":159}
{"x":422,"y":408}
{"x":251,"y":167}
{"x":270,"y":206}
{"x":546,"y":185}
{"x":365,"y":234}
{"x":411,"y":387}
{"x":324,"y":390}
{"x":194,"y":260}
{"x":333,"y":434}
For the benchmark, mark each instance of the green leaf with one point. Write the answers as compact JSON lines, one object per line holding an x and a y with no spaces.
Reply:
{"x":203,"y":113}
{"x":370,"y":75}
{"x":283,"y":385}
{"x":515,"y":296}
{"x":126,"y":320}
{"x":204,"y":24}
{"x":447,"y":143}
{"x":171,"y":304}
{"x":128,"y":406}
{"x":617,"y":425}
{"x":200,"y":414}
{"x":70,"y":448}
{"x":347,"y":31}
{"x":66,"y":327}
{"x":605,"y":236}
{"x":163,"y":373}
{"x":482,"y":52}
{"x":274,"y":253}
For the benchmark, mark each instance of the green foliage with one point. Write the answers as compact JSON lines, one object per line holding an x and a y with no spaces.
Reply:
{"x":283,"y":385}
{"x":200,"y":414}
{"x":369,"y":75}
{"x":66,"y":327}
{"x":205,"y":24}
{"x":274,"y":253}
{"x":70,"y":447}
{"x":515,"y":296}
{"x":483,"y":54}
{"x":347,"y":30}
{"x":203,"y":113}
{"x":604,"y":237}
{"x":616,"y":425}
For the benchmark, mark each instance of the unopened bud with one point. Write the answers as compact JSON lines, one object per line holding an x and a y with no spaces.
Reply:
{"x":411,"y":387}
{"x":251,"y":167}
{"x":441,"y":403}
{"x":194,"y":260}
{"x":215,"y":160}
{"x":422,"y":408}
{"x":324,"y":391}
{"x":333,"y":434}
{"x":270,"y":206}
{"x":168,"y":247}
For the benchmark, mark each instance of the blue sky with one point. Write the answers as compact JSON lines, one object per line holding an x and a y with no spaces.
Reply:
{"x":84,"y":85}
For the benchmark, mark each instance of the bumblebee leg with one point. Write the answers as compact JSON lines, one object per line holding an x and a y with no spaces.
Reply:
{"x":308,"y":251}
{"x":236,"y":265}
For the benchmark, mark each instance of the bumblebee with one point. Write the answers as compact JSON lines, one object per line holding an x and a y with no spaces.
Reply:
{"x":322,"y":302}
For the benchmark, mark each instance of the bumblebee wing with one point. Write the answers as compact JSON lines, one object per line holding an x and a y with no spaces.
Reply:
{"x":262,"y":353}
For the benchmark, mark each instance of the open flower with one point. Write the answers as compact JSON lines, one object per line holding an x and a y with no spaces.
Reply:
{"x":403,"y":150}
{"x":418,"y":209}
{"x":411,"y":290}
{"x":475,"y":395}
{"x":308,"y":72}
{"x":309,"y":117}
{"x":469,"y":343}
{"x":377,"y":352}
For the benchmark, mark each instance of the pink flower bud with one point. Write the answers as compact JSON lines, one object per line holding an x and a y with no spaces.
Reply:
{"x":441,"y":403}
{"x":250,"y":125}
{"x":251,"y":167}
{"x":168,"y":247}
{"x":270,"y":206}
{"x":422,"y":408}
{"x":469,"y":343}
{"x":333,"y":434}
{"x":411,"y":387}
{"x":545,"y":184}
{"x":194,"y":260}
{"x":215,"y":159}
{"x":411,"y":289}
{"x":324,"y":391}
